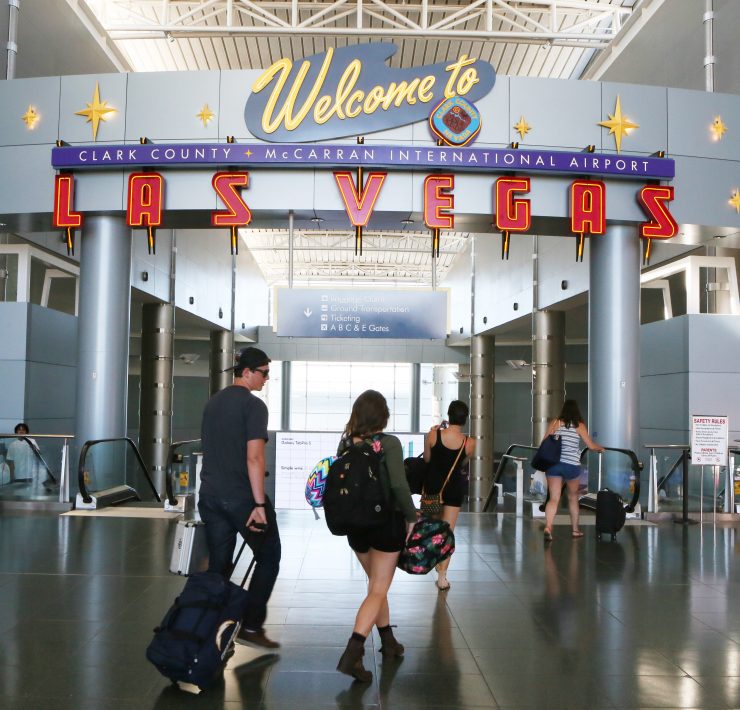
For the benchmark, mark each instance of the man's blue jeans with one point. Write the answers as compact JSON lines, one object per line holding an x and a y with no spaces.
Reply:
{"x":224,"y":518}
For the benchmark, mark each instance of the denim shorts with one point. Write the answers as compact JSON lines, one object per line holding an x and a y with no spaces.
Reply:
{"x":566,"y":471}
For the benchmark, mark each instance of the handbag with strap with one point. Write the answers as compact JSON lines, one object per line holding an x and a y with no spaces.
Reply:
{"x":431,"y":503}
{"x":548,"y":453}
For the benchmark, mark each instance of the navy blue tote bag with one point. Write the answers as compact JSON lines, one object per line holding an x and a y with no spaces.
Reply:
{"x":548,"y":454}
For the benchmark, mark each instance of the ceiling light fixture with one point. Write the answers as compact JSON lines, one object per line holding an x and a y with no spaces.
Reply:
{"x":518,"y":364}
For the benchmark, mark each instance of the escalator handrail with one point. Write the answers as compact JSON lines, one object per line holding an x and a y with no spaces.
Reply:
{"x":83,"y":454}
{"x":35,"y":449}
{"x":662,"y":481}
{"x":37,"y":454}
{"x":502,"y":462}
{"x":635,"y":469}
{"x":168,"y":477}
{"x":500,"y":469}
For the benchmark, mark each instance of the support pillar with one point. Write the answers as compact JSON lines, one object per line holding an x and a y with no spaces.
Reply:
{"x":548,"y":369}
{"x":415,"y":418}
{"x":155,"y":402}
{"x":285,"y":399}
{"x":103,"y":331}
{"x":222,"y":356}
{"x":614,"y":338}
{"x":481,"y":418}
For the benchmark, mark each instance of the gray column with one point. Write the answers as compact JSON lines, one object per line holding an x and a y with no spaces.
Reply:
{"x":155,"y":402}
{"x":481,"y":418}
{"x":415,"y":411}
{"x":103,"y":330}
{"x":614,"y":338}
{"x":285,"y":396}
{"x":548,"y":369}
{"x":222,"y":356}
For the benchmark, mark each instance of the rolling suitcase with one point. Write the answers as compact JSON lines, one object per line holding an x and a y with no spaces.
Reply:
{"x":611,"y":513}
{"x":190,"y":549}
{"x":196,"y":638}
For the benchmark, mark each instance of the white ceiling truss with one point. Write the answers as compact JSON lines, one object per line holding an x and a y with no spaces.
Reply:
{"x":546,"y":38}
{"x":579,"y":23}
{"x":319,"y":255}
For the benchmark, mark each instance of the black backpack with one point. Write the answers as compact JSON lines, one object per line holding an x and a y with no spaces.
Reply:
{"x":354,"y":498}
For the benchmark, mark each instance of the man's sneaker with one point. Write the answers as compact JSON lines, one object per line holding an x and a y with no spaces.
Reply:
{"x":255,"y":638}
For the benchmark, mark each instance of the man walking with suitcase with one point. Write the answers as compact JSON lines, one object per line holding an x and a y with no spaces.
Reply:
{"x":232,"y":492}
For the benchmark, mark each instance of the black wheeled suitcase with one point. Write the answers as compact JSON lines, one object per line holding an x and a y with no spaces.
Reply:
{"x":610,"y":513}
{"x":196,"y":638}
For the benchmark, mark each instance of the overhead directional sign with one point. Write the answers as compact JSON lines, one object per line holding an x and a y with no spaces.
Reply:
{"x":317,"y":313}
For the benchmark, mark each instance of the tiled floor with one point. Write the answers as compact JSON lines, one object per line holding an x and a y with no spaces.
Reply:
{"x":650,"y":621}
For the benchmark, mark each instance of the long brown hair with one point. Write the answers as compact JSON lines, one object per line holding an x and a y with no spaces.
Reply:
{"x":570,"y":415}
{"x":369,"y":415}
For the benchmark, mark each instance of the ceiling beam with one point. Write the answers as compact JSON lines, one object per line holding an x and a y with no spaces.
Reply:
{"x":577,"y":23}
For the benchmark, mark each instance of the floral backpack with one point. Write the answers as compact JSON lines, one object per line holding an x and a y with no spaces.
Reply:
{"x":431,"y":542}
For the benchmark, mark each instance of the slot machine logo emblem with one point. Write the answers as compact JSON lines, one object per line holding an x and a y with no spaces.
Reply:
{"x":455,"y":121}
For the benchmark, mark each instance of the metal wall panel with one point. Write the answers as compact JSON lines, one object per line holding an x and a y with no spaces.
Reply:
{"x":162,"y":106}
{"x":43,"y":95}
{"x":561,"y":112}
{"x":691,"y":116}
{"x":77,"y":92}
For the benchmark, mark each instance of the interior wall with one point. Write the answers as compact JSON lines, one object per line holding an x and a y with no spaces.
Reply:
{"x":669,"y":50}
{"x":47,"y":32}
{"x":38,"y":368}
{"x":689,"y":365}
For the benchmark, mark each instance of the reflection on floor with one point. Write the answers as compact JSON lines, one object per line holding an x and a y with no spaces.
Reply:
{"x":652,"y":620}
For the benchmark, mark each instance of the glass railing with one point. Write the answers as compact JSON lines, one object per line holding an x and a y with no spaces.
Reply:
{"x":35,"y":467}
{"x":672,"y":474}
{"x":182,"y":464}
{"x":615,"y":469}
{"x":114,"y":465}
{"x":507,"y":473}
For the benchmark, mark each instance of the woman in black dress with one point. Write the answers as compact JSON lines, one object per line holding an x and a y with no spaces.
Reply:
{"x":441,"y":447}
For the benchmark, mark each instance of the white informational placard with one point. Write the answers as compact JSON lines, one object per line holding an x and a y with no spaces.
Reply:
{"x":709,"y":439}
{"x":298,"y":452}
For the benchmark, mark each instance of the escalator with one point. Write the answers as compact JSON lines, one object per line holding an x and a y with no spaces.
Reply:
{"x":616,"y":469}
{"x":112,"y":472}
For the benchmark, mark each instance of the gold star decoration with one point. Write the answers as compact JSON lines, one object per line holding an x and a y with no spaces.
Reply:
{"x":248,"y":153}
{"x":522,"y":128}
{"x":718,"y":128}
{"x":96,"y":111}
{"x":205,"y":115}
{"x":30,"y":118}
{"x":619,"y":125}
{"x":735,"y":200}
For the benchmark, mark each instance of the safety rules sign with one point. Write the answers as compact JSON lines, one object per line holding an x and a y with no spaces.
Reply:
{"x":709,"y":437}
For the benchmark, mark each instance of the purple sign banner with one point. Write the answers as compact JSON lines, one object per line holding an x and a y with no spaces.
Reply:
{"x":327,"y":155}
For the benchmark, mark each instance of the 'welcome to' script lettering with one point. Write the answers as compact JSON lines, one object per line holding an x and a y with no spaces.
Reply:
{"x":351,"y":91}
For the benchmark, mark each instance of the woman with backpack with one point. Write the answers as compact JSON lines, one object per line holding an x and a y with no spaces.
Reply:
{"x":377,"y":548}
{"x":570,"y":427}
{"x":445,"y":450}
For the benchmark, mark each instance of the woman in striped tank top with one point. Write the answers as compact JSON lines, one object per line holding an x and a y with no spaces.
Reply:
{"x":570,"y":427}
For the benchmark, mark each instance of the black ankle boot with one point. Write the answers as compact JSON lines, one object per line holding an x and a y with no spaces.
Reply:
{"x":389,"y":646}
{"x":351,"y":661}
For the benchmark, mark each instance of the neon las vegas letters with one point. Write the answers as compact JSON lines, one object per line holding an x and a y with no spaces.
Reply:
{"x":145,"y":202}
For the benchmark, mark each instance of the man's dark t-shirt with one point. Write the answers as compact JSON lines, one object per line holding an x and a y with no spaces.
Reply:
{"x":231,"y":418}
